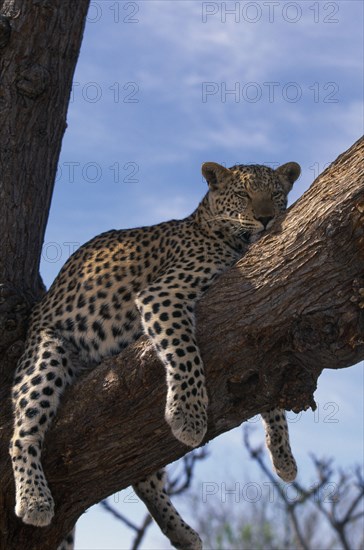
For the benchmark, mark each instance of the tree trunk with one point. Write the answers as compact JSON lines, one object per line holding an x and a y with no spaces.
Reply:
{"x":39,"y":47}
{"x":266,"y":329}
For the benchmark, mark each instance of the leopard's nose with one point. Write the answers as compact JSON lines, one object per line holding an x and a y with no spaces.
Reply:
{"x":265,"y":220}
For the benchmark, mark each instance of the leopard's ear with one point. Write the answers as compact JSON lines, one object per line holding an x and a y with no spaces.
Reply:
{"x":288,"y":173}
{"x":215,"y":174}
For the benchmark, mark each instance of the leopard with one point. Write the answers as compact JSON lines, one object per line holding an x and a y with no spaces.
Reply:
{"x":125,"y":283}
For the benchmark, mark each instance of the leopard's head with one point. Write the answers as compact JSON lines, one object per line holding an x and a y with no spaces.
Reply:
{"x":244,"y":200}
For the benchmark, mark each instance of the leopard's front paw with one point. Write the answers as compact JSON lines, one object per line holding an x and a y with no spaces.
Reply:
{"x":188,"y":421}
{"x":34,"y":510}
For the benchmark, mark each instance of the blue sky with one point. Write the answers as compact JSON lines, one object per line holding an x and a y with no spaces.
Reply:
{"x":162,"y":86}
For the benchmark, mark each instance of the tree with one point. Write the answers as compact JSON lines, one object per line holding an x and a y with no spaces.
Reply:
{"x":285,"y":312}
{"x":39,"y":47}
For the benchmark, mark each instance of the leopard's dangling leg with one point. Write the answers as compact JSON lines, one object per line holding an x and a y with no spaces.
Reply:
{"x":152,"y":492}
{"x":41,"y":377}
{"x":170,"y":324}
{"x":277,"y":440}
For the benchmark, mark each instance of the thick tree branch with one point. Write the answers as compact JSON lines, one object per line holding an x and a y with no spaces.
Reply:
{"x":267,"y":328}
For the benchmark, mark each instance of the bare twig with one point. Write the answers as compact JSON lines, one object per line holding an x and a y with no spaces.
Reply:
{"x":331,"y":510}
{"x":142,"y":531}
{"x":257,"y":455}
{"x":107,"y":506}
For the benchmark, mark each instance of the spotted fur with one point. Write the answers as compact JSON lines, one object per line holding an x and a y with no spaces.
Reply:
{"x":122,"y":284}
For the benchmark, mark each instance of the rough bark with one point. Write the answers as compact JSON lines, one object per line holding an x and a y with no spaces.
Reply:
{"x":39,"y":46}
{"x":266,"y":329}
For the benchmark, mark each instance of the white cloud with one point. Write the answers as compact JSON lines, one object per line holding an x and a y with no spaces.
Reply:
{"x":171,"y":52}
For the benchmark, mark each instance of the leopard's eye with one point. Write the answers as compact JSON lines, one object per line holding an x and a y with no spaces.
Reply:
{"x":243,"y":195}
{"x":277,"y":195}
